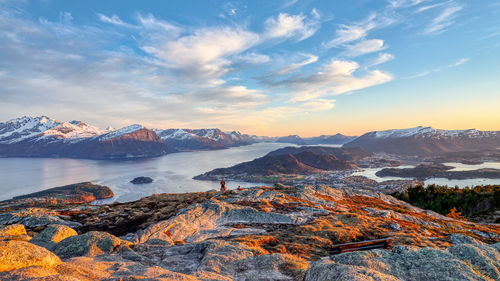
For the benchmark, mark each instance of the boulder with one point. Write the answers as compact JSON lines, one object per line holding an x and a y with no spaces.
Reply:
{"x":92,"y":243}
{"x":19,"y":254}
{"x":13,"y":229}
{"x":53,"y":234}
{"x":14,"y":232}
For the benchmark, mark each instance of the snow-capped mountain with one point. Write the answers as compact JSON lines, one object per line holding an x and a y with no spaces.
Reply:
{"x":46,"y":137}
{"x":427,"y":140}
{"x":188,"y":139}
{"x":19,"y":129}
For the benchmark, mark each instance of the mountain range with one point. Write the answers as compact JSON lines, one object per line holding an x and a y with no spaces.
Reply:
{"x":46,"y":137}
{"x":425,"y":141}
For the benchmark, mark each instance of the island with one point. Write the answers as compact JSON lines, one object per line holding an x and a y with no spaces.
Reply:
{"x":425,"y":171}
{"x":141,"y":180}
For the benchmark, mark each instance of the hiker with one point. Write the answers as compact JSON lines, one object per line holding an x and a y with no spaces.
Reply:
{"x":222,"y":185}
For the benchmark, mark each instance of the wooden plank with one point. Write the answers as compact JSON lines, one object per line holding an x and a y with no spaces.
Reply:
{"x":383,"y":243}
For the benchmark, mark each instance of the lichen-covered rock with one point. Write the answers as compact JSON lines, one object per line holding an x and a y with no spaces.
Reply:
{"x":14,"y":229}
{"x":271,"y":267}
{"x":14,"y":232}
{"x":19,"y":254}
{"x":34,"y":217}
{"x":459,"y":262}
{"x":92,"y":243}
{"x":216,"y":256}
{"x":53,"y":234}
{"x":327,"y":270}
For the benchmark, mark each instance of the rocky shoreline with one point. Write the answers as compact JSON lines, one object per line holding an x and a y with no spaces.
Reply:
{"x":78,"y":193}
{"x":275,"y":233}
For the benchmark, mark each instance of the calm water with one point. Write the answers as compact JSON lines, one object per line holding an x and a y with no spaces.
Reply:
{"x":171,"y":173}
{"x":370,"y":173}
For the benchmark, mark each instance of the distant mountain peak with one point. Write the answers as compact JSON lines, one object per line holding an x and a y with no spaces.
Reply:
{"x":121,"y":132}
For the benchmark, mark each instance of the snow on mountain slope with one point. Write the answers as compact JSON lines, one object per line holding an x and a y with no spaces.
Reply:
{"x":22,"y":128}
{"x":188,"y":139}
{"x":73,"y":131}
{"x":121,"y":132}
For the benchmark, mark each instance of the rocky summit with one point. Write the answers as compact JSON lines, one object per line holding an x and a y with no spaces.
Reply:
{"x":265,"y":233}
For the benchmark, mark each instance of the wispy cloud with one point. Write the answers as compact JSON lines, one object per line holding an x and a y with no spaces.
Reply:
{"x":364,"y":47}
{"x":294,"y":66}
{"x":444,"y":19}
{"x":382,"y":58}
{"x":348,"y":33}
{"x":438,"y":69}
{"x":286,"y":26}
{"x":114,"y":19}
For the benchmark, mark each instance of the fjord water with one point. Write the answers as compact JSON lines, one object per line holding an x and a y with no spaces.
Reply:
{"x":171,"y":173}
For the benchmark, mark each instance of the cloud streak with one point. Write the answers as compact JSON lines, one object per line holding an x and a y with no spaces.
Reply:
{"x":444,"y":19}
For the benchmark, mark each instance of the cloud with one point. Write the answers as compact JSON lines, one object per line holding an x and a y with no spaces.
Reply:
{"x":382,"y":58}
{"x":332,"y":78}
{"x":203,"y":54}
{"x":405,"y":3}
{"x":364,"y":47}
{"x":114,"y":19}
{"x":294,"y":66}
{"x":428,"y":7}
{"x":348,"y":33}
{"x":287,"y":26}
{"x":445,"y":19}
{"x":253,"y":58}
{"x":438,"y":69}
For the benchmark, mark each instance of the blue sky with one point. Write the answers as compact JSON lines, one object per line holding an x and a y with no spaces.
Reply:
{"x":263,"y":67}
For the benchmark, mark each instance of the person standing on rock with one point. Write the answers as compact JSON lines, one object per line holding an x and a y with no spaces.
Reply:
{"x":223,"y":185}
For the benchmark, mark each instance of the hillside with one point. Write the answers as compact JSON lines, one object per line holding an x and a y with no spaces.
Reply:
{"x":338,"y":139}
{"x":349,"y":154}
{"x":301,"y":162}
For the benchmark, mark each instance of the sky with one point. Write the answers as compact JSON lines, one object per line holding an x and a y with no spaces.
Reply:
{"x":261,"y":67}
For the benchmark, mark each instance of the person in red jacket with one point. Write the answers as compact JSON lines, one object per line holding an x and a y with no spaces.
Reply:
{"x":223,"y":185}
